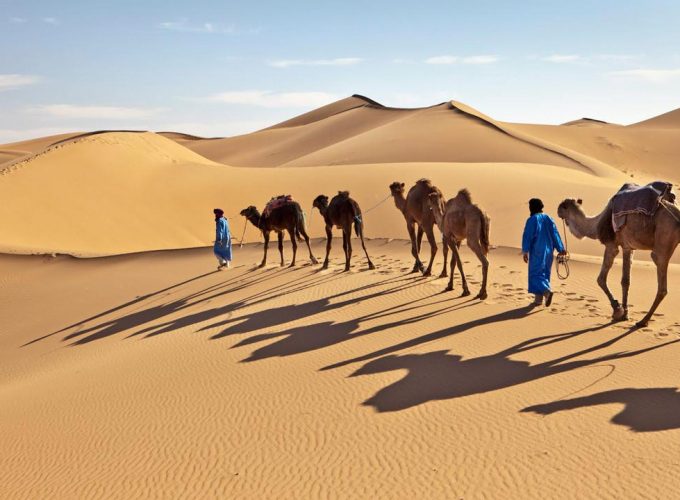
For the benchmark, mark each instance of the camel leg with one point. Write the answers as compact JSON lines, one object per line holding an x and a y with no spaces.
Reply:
{"x":459,"y":261}
{"x":625,"y":280}
{"x":344,"y":247}
{"x":418,"y":266}
{"x":265,"y":234}
{"x":293,"y":240}
{"x":279,"y":234}
{"x":361,"y":235}
{"x":348,"y":259}
{"x":329,"y":237}
{"x":476,"y":247}
{"x":309,"y":247}
{"x":433,"y":249}
{"x":446,"y":256}
{"x":419,"y":237}
{"x":610,"y":252}
{"x":453,"y":264}
{"x":661,"y":260}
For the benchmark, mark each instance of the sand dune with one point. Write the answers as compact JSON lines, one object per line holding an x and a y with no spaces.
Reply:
{"x":281,"y":383}
{"x":22,"y":149}
{"x":666,"y":120}
{"x":128,"y":192}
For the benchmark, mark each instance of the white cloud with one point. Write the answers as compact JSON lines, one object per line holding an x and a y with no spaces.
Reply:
{"x":448,"y":59}
{"x":17,"y":20}
{"x":98,"y":112}
{"x":340,"y":61}
{"x":184,"y":26}
{"x":215,"y":129}
{"x":479,"y":60}
{"x":562,"y":58}
{"x":441,"y":60}
{"x":15,"y":135}
{"x":268,"y":99}
{"x":50,"y":20}
{"x":13,"y":81}
{"x":649,"y":75}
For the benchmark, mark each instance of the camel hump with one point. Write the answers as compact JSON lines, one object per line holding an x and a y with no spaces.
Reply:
{"x":424,"y":182}
{"x":464,"y":195}
{"x":343,"y":194}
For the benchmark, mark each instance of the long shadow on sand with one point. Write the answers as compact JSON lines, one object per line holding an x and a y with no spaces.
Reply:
{"x":439,"y":375}
{"x":645,"y":410}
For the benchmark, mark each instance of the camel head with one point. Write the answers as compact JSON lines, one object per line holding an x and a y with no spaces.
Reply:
{"x":249,"y":212}
{"x":320,"y":202}
{"x":568,"y":210}
{"x":397,"y":189}
{"x":436,"y":202}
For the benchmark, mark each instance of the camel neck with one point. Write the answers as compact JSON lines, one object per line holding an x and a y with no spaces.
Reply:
{"x":584,"y":226}
{"x":256,"y":220}
{"x":400,"y":201}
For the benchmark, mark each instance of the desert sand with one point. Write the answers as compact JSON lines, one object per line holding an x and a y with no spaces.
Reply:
{"x":130,"y":367}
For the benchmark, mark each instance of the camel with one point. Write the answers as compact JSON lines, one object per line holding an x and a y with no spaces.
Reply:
{"x":659,"y":233}
{"x":342,"y":212}
{"x":460,"y":219}
{"x":288,"y":217}
{"x":416,"y":210}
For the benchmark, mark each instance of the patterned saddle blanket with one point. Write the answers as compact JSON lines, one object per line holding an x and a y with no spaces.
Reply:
{"x":633,"y":198}
{"x":277,"y":202}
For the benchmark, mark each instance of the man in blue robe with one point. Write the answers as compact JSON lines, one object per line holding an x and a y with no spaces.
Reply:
{"x":539,"y":241}
{"x":222,"y":246}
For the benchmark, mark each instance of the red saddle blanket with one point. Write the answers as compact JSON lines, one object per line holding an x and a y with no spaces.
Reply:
{"x":277,"y":202}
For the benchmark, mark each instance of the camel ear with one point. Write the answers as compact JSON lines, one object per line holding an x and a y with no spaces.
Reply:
{"x":402,"y":185}
{"x":579,"y":201}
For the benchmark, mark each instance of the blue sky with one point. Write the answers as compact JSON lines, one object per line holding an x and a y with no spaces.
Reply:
{"x":222,"y":68}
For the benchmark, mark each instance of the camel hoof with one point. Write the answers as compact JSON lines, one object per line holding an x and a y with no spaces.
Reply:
{"x":443,"y":275}
{"x":465,"y":293}
{"x":620,"y":314}
{"x":315,"y":262}
{"x":261,"y":265}
{"x":481,"y":296}
{"x":448,"y":288}
{"x":427,"y":272}
{"x":641,"y":324}
{"x":371,"y":266}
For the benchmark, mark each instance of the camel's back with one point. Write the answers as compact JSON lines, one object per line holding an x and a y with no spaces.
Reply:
{"x":341,"y":207}
{"x":417,"y":200}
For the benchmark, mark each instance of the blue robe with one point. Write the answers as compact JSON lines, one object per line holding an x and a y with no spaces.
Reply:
{"x":222,"y":246}
{"x":539,"y":240}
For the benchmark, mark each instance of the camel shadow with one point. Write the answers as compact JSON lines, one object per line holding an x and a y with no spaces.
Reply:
{"x":645,"y":410}
{"x":439,"y":375}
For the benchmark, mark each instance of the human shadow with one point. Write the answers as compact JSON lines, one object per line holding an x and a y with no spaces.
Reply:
{"x":439,"y":375}
{"x":645,"y":410}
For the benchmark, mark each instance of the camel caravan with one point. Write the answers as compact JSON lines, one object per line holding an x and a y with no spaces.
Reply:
{"x":635,"y":218}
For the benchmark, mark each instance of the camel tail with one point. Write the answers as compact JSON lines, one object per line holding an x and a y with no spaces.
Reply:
{"x":358,"y":219}
{"x":484,"y":233}
{"x":301,"y":223}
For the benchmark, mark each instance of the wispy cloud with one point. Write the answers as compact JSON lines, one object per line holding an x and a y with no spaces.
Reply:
{"x":649,"y":75}
{"x":99,"y":112}
{"x":13,"y":81}
{"x":269,"y":99}
{"x":562,"y":58}
{"x":449,"y":59}
{"x":184,"y":26}
{"x":50,"y":20}
{"x":18,"y":20}
{"x":340,"y":61}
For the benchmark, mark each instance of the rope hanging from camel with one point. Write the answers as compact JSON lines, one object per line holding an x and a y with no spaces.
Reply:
{"x":378,"y":204}
{"x":562,"y":262}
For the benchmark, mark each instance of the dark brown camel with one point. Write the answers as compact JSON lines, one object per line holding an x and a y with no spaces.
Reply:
{"x":459,"y":219}
{"x":288,"y":217}
{"x":416,"y":210}
{"x":660,"y":234}
{"x":342,"y":212}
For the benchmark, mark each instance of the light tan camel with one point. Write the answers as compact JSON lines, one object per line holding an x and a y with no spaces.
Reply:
{"x":660,"y":234}
{"x":460,"y":219}
{"x":416,"y":210}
